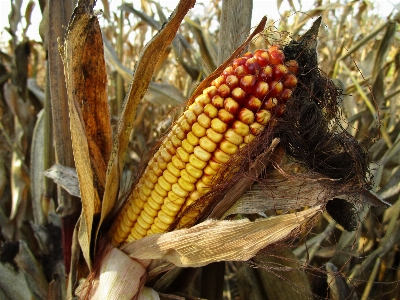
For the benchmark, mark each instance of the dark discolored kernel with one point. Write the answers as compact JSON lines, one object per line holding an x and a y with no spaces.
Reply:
{"x":285,"y":95}
{"x":293,"y":66}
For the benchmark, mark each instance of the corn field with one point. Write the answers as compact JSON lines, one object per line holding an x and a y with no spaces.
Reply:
{"x":156,"y":154}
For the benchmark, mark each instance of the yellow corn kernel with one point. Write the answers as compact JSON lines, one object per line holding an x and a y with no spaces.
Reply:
{"x":182,"y":154}
{"x":218,"y":126}
{"x":204,"y":121}
{"x":170,"y":177}
{"x":174,"y":171}
{"x":192,"y":139}
{"x":199,"y":130}
{"x":187,"y":165}
{"x":207,"y":144}
{"x":213,"y":135}
{"x":221,"y":156}
{"x":194,"y":171}
{"x":211,"y":111}
{"x":187,"y":146}
{"x":187,"y":186}
{"x":187,"y":177}
{"x":196,"y":162}
{"x":201,"y":153}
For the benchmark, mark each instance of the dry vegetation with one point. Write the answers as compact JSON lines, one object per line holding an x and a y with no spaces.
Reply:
{"x":357,"y":49}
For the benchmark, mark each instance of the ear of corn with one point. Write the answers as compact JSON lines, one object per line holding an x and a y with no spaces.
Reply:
{"x":225,"y":117}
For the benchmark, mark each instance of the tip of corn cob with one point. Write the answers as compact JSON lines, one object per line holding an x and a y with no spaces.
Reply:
{"x":228,"y":115}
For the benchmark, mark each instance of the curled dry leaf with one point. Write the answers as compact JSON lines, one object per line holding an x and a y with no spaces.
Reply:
{"x":86,"y":79}
{"x":213,"y":240}
{"x":66,"y":177}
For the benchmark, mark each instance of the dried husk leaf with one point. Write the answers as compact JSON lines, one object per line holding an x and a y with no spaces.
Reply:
{"x":89,"y":116}
{"x":120,"y":277}
{"x":213,"y":240}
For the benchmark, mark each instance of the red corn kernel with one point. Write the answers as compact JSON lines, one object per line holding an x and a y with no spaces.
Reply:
{"x":225,"y":116}
{"x":231,"y":105}
{"x":224,"y":91}
{"x":261,"y":89}
{"x":263,"y":116}
{"x":290,"y":81}
{"x":285,"y":95}
{"x":262,"y":57}
{"x":246,"y":116}
{"x":239,"y":62}
{"x":266,"y":74}
{"x":217,"y":101}
{"x":253,"y":103}
{"x":276,"y":87}
{"x":293,"y":66}
{"x":280,"y":110}
{"x":252,"y":65}
{"x":228,"y":71}
{"x":279,"y":71}
{"x":276,"y":56}
{"x":232,"y":81}
{"x":218,"y":81}
{"x":256,"y":128}
{"x":238,"y":94}
{"x":241,"y":71}
{"x":247,"y":83}
{"x":248,"y":55}
{"x":274,"y":48}
{"x":270,"y":103}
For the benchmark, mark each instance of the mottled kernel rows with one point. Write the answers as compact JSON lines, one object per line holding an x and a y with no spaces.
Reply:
{"x":228,"y":115}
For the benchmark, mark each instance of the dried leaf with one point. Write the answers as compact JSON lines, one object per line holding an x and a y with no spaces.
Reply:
{"x":13,"y":284}
{"x":37,"y":167}
{"x":89,"y":116}
{"x":213,"y":241}
{"x":120,"y":277}
{"x":282,"y":272}
{"x":32,"y":271}
{"x":66,"y":177}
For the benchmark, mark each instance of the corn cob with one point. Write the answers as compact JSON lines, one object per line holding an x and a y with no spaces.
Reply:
{"x":228,"y":115}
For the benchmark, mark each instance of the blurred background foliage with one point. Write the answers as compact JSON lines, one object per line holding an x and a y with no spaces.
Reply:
{"x":358,"y":49}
